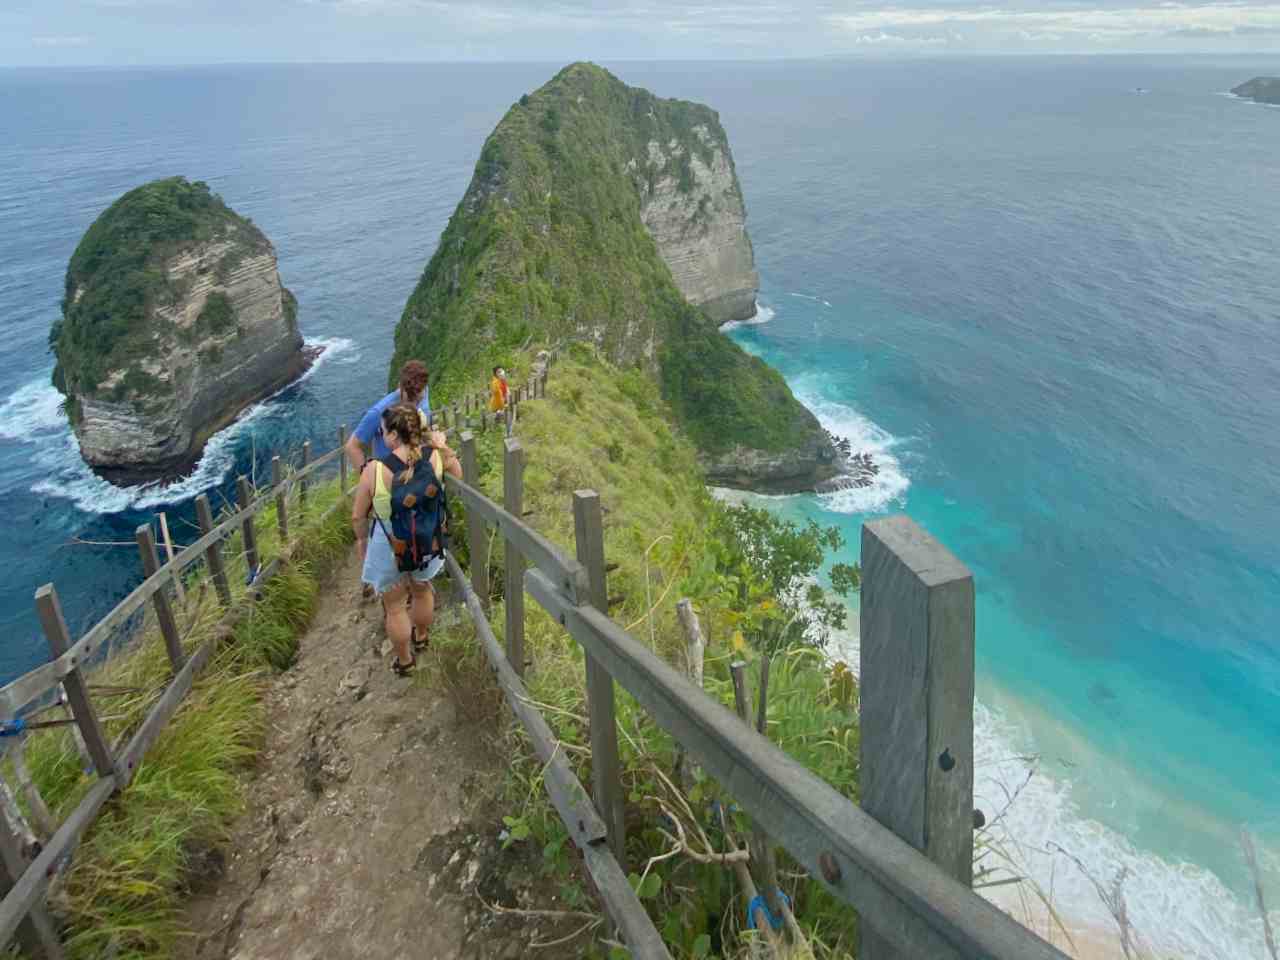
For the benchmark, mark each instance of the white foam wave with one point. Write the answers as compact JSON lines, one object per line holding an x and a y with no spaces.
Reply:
{"x":888,"y":486}
{"x":1174,"y":909}
{"x":763,"y":314}
{"x":809,"y":296}
{"x":33,"y":414}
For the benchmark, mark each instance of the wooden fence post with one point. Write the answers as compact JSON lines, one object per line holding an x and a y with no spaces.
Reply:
{"x":457,"y":418}
{"x":244,"y":498}
{"x":282,"y":500}
{"x":342,"y":461}
{"x":509,"y":412}
{"x":36,"y":934}
{"x":213,"y":555}
{"x":606,"y":768}
{"x":917,"y":632}
{"x":55,"y":631}
{"x":164,"y":612}
{"x":763,"y":857}
{"x":302,"y":483}
{"x":513,"y":502}
{"x":477,"y":533}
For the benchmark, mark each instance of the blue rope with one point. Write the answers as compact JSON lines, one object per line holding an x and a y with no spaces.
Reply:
{"x":13,"y":728}
{"x":759,"y":903}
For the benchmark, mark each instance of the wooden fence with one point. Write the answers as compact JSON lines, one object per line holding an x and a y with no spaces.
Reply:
{"x":904,"y":860}
{"x":26,"y":873}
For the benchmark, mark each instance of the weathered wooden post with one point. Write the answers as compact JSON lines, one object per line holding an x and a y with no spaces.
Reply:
{"x":55,"y":631}
{"x":282,"y":500}
{"x":36,"y":933}
{"x":244,"y":499}
{"x":509,"y":411}
{"x":763,"y":857}
{"x":477,"y":535}
{"x":302,"y":482}
{"x":213,"y":554}
{"x":342,"y":461}
{"x":916,"y":695}
{"x":164,"y":612}
{"x":513,"y":502}
{"x":456,"y":420}
{"x":606,"y":768}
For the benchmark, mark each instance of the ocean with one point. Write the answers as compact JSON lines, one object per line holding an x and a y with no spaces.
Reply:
{"x":1046,"y":302}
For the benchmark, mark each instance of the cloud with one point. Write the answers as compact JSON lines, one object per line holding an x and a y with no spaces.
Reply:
{"x":59,"y":41}
{"x":1097,"y":22}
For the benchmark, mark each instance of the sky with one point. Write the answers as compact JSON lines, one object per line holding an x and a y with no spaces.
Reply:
{"x":146,"y":32}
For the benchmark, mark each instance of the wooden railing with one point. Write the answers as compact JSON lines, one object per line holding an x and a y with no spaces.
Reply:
{"x":904,"y":861}
{"x":24,"y":878}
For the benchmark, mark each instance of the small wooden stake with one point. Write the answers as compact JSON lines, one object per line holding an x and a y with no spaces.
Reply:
{"x":164,"y":612}
{"x":512,"y":500}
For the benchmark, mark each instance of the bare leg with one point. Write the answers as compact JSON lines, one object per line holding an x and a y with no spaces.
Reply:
{"x":397,"y":620}
{"x":424,"y":610}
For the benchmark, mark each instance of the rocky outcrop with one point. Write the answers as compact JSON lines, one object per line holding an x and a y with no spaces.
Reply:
{"x":1261,"y":89}
{"x":170,"y":330}
{"x":691,"y":205}
{"x":603,"y":214}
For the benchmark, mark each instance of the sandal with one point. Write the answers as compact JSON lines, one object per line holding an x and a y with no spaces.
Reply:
{"x":403,"y":669}
{"x":418,"y":645}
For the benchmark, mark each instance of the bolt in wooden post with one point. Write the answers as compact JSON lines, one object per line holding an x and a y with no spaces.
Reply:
{"x":213,"y":555}
{"x":54,"y":625}
{"x":513,"y":501}
{"x":916,"y":696}
{"x":606,"y":768}
{"x":164,"y":612}
{"x":302,"y":483}
{"x":244,"y":498}
{"x":36,"y":933}
{"x":342,"y":461}
{"x":282,"y":500}
{"x":477,"y":534}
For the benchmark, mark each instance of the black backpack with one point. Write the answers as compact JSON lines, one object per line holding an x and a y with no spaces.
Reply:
{"x":419,"y":514}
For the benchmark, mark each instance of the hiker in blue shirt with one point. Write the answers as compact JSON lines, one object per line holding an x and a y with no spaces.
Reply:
{"x":367,"y":442}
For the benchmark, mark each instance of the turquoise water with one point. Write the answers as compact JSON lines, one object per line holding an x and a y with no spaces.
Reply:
{"x":1047,"y":304}
{"x":1051,"y":308}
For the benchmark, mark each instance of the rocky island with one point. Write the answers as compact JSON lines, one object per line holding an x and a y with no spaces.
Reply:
{"x":173,"y":322}
{"x":599,"y":212}
{"x":1261,"y":89}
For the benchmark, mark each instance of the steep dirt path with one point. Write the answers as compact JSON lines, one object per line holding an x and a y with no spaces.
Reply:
{"x":373,"y":828}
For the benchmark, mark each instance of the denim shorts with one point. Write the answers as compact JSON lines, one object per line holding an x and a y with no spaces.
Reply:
{"x":381,"y":570}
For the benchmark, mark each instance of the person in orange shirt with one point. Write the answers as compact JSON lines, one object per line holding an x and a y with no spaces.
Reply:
{"x":498,"y":390}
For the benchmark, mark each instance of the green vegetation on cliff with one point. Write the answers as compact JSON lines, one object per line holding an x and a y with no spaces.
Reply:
{"x":548,"y":245}
{"x":748,"y":574}
{"x":116,"y":276}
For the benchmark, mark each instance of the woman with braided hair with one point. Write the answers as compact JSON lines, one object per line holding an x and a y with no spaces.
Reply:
{"x":403,"y":549}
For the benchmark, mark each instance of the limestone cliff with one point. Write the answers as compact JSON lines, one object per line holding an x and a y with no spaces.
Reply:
{"x":692,"y":206}
{"x":601,"y":213}
{"x":1261,"y":89}
{"x":174,"y":321}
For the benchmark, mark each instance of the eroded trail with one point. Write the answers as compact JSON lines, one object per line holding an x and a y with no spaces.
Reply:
{"x":372,"y":828}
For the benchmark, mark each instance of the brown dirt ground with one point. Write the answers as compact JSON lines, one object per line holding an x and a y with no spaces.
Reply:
{"x":374,"y":817}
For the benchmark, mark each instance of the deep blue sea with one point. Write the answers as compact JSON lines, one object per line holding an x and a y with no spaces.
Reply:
{"x":1048,"y":303}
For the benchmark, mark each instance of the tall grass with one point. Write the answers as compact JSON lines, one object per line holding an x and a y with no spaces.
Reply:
{"x":122,"y":893}
{"x":607,"y":429}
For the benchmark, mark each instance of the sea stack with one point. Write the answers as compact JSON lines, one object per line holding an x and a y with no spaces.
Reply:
{"x":1261,"y":89}
{"x":600,"y":213}
{"x":174,"y":321}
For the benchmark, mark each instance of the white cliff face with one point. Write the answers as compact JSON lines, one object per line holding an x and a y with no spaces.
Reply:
{"x":692,"y":207}
{"x":230,"y":339}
